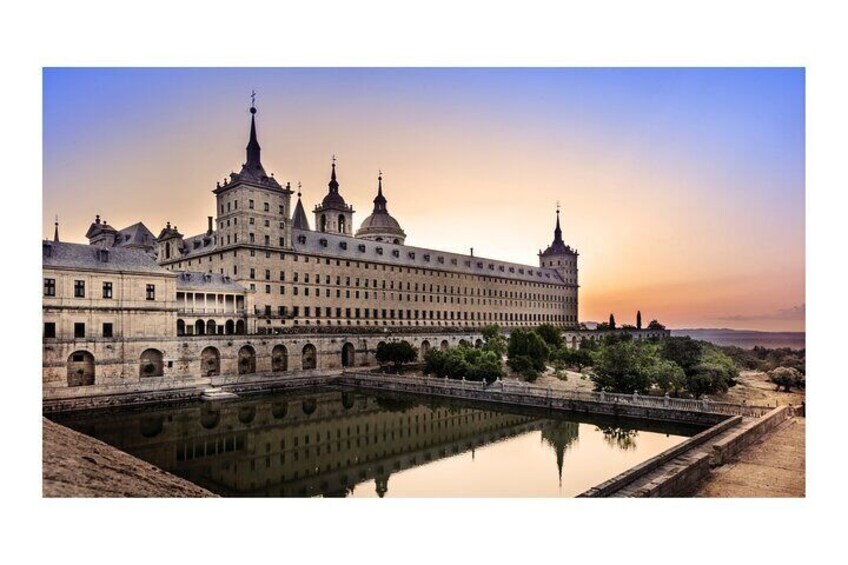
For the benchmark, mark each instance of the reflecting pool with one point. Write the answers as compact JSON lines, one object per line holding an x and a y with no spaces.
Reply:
{"x":343,"y":443}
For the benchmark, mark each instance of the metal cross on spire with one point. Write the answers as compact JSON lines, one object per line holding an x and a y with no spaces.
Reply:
{"x":334,"y":158}
{"x":253,"y":98}
{"x":557,"y":207}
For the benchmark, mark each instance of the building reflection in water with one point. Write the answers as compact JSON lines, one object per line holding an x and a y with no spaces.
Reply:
{"x":323,"y":443}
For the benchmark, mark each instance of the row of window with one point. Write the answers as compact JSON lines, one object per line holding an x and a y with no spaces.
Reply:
{"x":251,"y":205}
{"x":79,"y":289}
{"x":79,"y":330}
{"x":391,"y":314}
{"x":376,"y":267}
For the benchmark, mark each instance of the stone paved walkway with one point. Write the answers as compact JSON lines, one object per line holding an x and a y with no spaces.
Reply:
{"x":774,"y":467}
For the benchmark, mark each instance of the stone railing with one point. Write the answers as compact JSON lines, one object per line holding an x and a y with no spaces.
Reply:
{"x":542,"y":396}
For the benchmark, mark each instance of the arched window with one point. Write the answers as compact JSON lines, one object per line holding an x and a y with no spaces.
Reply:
{"x":80,"y":369}
{"x":199,"y":327}
{"x":279,"y":358}
{"x":150,"y":363}
{"x":323,"y":222}
{"x":210,"y":327}
{"x":309,"y":359}
{"x":341,"y":223}
{"x":229,"y":327}
{"x":240,"y":327}
{"x":167,"y":251}
{"x":180,"y":327}
{"x":444,"y":345}
{"x":246,"y":360}
{"x":210,"y":362}
{"x":425,"y":347}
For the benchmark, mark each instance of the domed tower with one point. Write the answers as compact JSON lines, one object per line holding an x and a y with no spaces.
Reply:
{"x":333,"y":215}
{"x":563,"y":259}
{"x":169,"y":243}
{"x":380,"y":225}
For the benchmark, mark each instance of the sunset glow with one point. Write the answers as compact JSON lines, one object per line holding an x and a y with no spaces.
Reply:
{"x":682,"y":189}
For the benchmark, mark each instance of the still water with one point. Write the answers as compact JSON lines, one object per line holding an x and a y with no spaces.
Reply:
{"x":337,"y":443}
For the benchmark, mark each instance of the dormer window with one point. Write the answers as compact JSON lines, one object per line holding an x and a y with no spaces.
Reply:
{"x":103,"y":255}
{"x":479,"y":264}
{"x":362,"y":247}
{"x":511,"y":269}
{"x":323,"y":242}
{"x":427,"y":257}
{"x":301,"y":239}
{"x":396,"y":253}
{"x":441,"y":260}
{"x":453,"y":261}
{"x":379,"y":250}
{"x":343,"y":244}
{"x":411,"y":255}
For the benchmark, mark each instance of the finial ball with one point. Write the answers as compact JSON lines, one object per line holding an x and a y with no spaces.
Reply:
{"x":252,"y":110}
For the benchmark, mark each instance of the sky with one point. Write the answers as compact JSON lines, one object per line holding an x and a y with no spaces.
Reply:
{"x":682,"y":189}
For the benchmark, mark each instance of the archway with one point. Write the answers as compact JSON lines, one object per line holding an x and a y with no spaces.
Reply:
{"x":308,"y":406}
{"x":444,"y":345}
{"x":80,"y":368}
{"x":323,"y":223}
{"x":180,"y":327}
{"x":425,"y":347}
{"x":150,"y":363}
{"x":240,"y":327}
{"x":309,"y":359}
{"x":229,"y":327}
{"x":210,"y":327}
{"x":199,"y":327}
{"x":246,"y":360}
{"x":341,"y":223}
{"x":574,"y":342}
{"x":210,"y":362}
{"x":479,"y":343}
{"x":279,"y":359}
{"x":348,"y":355}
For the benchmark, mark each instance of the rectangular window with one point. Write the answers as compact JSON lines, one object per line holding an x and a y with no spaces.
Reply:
{"x":107,"y":290}
{"x":107,"y":329}
{"x":250,"y":204}
{"x":252,"y":273}
{"x":49,"y":329}
{"x":150,"y":293}
{"x":49,"y":287}
{"x":79,"y":329}
{"x":267,"y":207}
{"x":79,"y":289}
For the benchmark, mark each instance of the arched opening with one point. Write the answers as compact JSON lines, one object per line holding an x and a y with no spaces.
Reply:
{"x":425,"y":347}
{"x":246,"y":360}
{"x":464,"y":343}
{"x":229,"y":327}
{"x":279,"y":359}
{"x":309,"y":405}
{"x":150,"y":363}
{"x":240,"y":327}
{"x":180,"y":327}
{"x":210,"y":327}
{"x":209,"y":417}
{"x":444,"y":345}
{"x":341,"y":223}
{"x":348,"y":355}
{"x":574,"y":342}
{"x":246,"y":414}
{"x":167,"y":251}
{"x":210,"y":362}
{"x":396,"y":241}
{"x":348,"y":400}
{"x":151,"y":426}
{"x":309,"y":358}
{"x":199,"y":327}
{"x":478,"y":344}
{"x":279,"y":409}
{"x":323,"y":222}
{"x":80,"y":369}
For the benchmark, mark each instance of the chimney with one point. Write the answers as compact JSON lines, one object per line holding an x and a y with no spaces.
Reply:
{"x":209,"y":224}
{"x":472,"y":252}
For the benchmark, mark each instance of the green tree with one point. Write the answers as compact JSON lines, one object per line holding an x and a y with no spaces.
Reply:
{"x":684,"y":351}
{"x":551,"y":335}
{"x":620,"y":367}
{"x":714,"y":373}
{"x":787,"y":377}
{"x":396,"y":352}
{"x":638,"y":319}
{"x":667,"y":376}
{"x":494,"y":340}
{"x":527,"y":353}
{"x":612,"y":322}
{"x":655,"y":325}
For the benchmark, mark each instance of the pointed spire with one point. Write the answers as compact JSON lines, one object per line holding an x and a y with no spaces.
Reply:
{"x":56,"y":229}
{"x":299,"y":219}
{"x":253,"y":149}
{"x":380,"y":200}
{"x":557,"y":230}
{"x":333,"y":184}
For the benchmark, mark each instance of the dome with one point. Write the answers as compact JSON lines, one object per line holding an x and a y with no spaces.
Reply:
{"x":380,"y":222}
{"x":333,"y":200}
{"x":380,"y":225}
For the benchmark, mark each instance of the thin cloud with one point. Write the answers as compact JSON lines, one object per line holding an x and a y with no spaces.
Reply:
{"x":794,"y":313}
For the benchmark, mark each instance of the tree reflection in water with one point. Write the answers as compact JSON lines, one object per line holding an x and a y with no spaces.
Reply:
{"x":622,"y":438}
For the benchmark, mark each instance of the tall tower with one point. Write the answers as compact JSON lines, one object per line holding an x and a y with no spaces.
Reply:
{"x":252,"y":207}
{"x":333,"y":215}
{"x":563,"y":259}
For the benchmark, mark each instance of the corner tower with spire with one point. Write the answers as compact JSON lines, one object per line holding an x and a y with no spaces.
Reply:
{"x":253,"y":209}
{"x":563,"y":259}
{"x":334,"y":215}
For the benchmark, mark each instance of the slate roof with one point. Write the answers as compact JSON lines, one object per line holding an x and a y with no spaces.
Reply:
{"x":337,"y":246}
{"x":136,"y":234}
{"x":209,"y":282}
{"x":299,"y":219}
{"x":59,"y":254}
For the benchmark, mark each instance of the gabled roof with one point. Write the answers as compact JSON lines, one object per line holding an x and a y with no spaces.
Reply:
{"x":58,"y":254}
{"x":135,"y":235}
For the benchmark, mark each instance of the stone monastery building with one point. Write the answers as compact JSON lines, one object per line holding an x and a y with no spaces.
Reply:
{"x":125,"y":305}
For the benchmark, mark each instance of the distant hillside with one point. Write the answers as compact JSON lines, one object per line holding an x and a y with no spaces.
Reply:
{"x":746,"y":338}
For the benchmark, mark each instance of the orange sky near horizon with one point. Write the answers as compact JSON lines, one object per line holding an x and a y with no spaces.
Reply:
{"x":697,"y":222}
